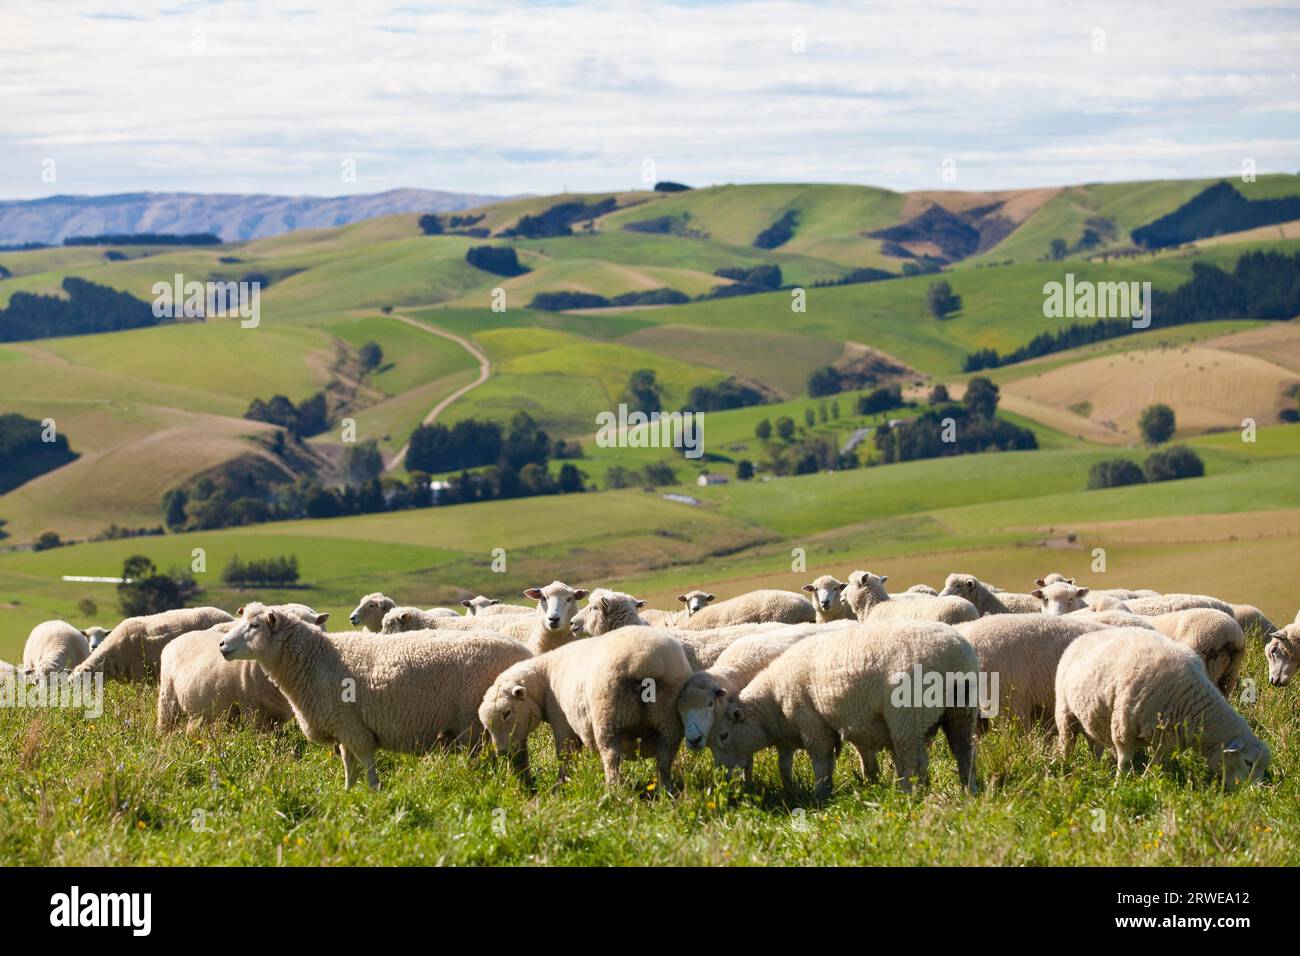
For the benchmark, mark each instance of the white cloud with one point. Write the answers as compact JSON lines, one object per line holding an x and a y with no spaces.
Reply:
{"x":517,"y":97}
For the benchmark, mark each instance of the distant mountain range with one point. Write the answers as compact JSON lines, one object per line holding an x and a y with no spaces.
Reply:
{"x":231,"y":216}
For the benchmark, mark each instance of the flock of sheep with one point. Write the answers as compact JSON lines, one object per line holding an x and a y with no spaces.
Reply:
{"x":1130,"y":669}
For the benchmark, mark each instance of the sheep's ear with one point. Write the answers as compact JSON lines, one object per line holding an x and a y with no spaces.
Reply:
{"x":603,"y":604}
{"x":1235,"y":745}
{"x":708,"y":597}
{"x":809,"y":588}
{"x":735,"y":714}
{"x":1082,"y":591}
{"x":1040,"y":582}
{"x":534,"y":593}
{"x":581,"y":593}
{"x":884,"y":578}
{"x":467,"y":603}
{"x":682,"y":598}
{"x":1278,"y":635}
{"x":272,"y":619}
{"x":719,"y":692}
{"x":322,"y":618}
{"x":640,"y":603}
{"x":518,"y":692}
{"x":239,"y":611}
{"x":494,"y":601}
{"x":1037,"y":592}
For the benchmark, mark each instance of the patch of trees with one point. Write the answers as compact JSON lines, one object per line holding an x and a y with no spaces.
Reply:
{"x":676,"y":224}
{"x":855,"y":277}
{"x":309,"y":417}
{"x":499,"y":260}
{"x":560,"y":219}
{"x":146,"y":590}
{"x":1261,"y":285}
{"x":951,"y":430}
{"x":431,"y":224}
{"x":563,"y":301}
{"x":467,"y":444}
{"x":824,"y":381}
{"x":145,"y":239}
{"x":1157,"y":424}
{"x":643,"y":392}
{"x":279,"y":571}
{"x":371,"y":355}
{"x":954,"y":236}
{"x":883,"y":399}
{"x":779,"y":233}
{"x":90,"y":308}
{"x":726,"y":394}
{"x":1170,"y":464}
{"x":941,"y":300}
{"x":5,"y":273}
{"x":765,"y":276}
{"x":668,"y":186}
{"x":1218,"y":209}
{"x":24,"y":453}
{"x":653,"y":475}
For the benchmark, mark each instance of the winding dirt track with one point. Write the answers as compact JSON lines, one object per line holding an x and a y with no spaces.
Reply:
{"x":484,"y":370}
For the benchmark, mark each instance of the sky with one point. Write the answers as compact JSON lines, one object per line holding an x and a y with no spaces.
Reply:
{"x":333,"y":98}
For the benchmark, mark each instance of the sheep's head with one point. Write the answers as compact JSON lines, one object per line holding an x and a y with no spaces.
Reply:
{"x":1053,"y":578}
{"x":556,"y":604}
{"x":509,"y":711}
{"x":258,"y":634}
{"x":605,"y":611}
{"x":1061,"y":598}
{"x":1245,"y":757}
{"x":731,"y":737}
{"x":698,"y":705}
{"x":371,"y":610}
{"x":923,"y":589}
{"x":401,"y":619}
{"x":963,"y":586}
{"x":825,"y":592}
{"x":864,"y":591}
{"x":475,"y":604}
{"x":1283,"y":654}
{"x":695,"y":601}
{"x":95,"y":636}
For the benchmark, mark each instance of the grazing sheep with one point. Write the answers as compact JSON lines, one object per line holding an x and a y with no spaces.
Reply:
{"x":985,"y":600}
{"x":54,"y":646}
{"x":614,"y":694}
{"x":1213,"y":636}
{"x":922,"y":589}
{"x":370,"y":610}
{"x":827,"y":606}
{"x":95,"y":636}
{"x":496,"y":608}
{"x":867,"y":598}
{"x":196,"y":682}
{"x":606,"y":611}
{"x":400,"y":619}
{"x":845,"y":684}
{"x":656,"y":617}
{"x":755,"y":607}
{"x":693,"y":601}
{"x":1167,"y":603}
{"x":132,"y":651}
{"x":706,"y":693}
{"x":1104,"y":602}
{"x":1283,"y":654}
{"x":1061,"y":598}
{"x":404,"y":693}
{"x":1129,"y":688}
{"x":1252,"y":620}
{"x":1020,"y":652}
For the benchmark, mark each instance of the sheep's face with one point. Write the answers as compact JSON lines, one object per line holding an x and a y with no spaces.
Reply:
{"x":371,"y":610}
{"x":726,"y":739}
{"x":864,"y":591}
{"x":95,"y":636}
{"x":556,"y":604}
{"x":398,"y":621}
{"x":475,"y":604}
{"x":255,"y":635}
{"x":509,"y":714}
{"x":1061,"y":598}
{"x":695,"y":601}
{"x":1283,"y":654}
{"x":606,"y":611}
{"x":698,"y":705}
{"x":1053,"y":578}
{"x":962,"y":586}
{"x":826,"y":592}
{"x":1244,"y":758}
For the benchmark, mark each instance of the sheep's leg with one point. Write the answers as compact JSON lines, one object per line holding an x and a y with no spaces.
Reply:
{"x":911,"y":762}
{"x":613,"y":760}
{"x":349,"y":767}
{"x":748,"y":771}
{"x":823,"y":761}
{"x":665,"y":751}
{"x":372,"y":775}
{"x":868,"y":764}
{"x":785,"y":762}
{"x":1067,"y":728}
{"x":519,"y":763}
{"x":959,"y":731}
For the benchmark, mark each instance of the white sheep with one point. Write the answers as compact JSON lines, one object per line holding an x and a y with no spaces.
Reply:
{"x":54,"y":646}
{"x":95,"y":636}
{"x":866,"y":596}
{"x":370,"y":610}
{"x":692,"y":601}
{"x":399,"y":619}
{"x":197,"y":683}
{"x":556,"y":605}
{"x":754,"y":607}
{"x":1167,"y":603}
{"x":405,"y":693}
{"x":482,"y":606}
{"x":825,"y":592}
{"x":614,"y":694}
{"x":695,"y":601}
{"x":1061,"y":597}
{"x":1283,"y":654}
{"x":922,"y":589}
{"x":705,"y":694}
{"x":985,"y":600}
{"x":606,"y":611}
{"x":856,"y":683}
{"x":132,"y":651}
{"x":1130,"y":689}
{"x":1252,"y":620}
{"x":1216,"y":638}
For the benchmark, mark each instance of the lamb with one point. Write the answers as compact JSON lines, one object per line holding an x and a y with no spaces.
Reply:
{"x":54,"y":646}
{"x":606,"y":611}
{"x":844,"y":684}
{"x":1019,"y":653}
{"x":1167,"y":603}
{"x":196,"y":682}
{"x":755,"y":607}
{"x":922,"y":589}
{"x":1128,"y":689}
{"x":867,"y":598}
{"x":1061,"y":598}
{"x":985,"y":600}
{"x":695,"y":601}
{"x":1053,"y":578}
{"x":133,"y":650}
{"x":404,"y":693}
{"x":95,"y":636}
{"x":656,"y":617}
{"x":614,"y":694}
{"x":1252,"y":620}
{"x":370,"y":610}
{"x":490,"y":607}
{"x":400,"y":619}
{"x":1213,"y":636}
{"x":706,"y":693}
{"x":1283,"y":654}
{"x":827,"y":606}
